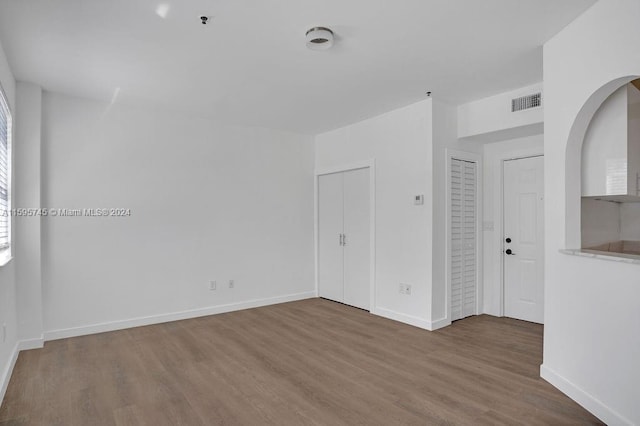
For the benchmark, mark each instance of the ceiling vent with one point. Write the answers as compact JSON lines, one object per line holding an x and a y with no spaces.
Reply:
{"x":526,"y":102}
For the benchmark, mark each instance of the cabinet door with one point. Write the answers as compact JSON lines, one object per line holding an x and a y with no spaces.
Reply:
{"x":356,"y":244}
{"x":330,"y":229}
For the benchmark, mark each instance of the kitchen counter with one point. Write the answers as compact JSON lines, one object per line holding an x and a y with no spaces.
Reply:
{"x":618,"y":247}
{"x":618,"y":251}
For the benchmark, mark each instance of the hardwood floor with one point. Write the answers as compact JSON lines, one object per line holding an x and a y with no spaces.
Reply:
{"x":308,"y":362}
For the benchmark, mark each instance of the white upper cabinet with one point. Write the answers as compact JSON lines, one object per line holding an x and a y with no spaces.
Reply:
{"x":611,"y":149}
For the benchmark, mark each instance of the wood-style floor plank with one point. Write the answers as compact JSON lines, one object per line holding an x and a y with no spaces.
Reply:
{"x":312,"y":362}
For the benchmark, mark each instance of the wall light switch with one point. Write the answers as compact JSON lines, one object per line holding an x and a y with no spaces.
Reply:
{"x":418,"y":200}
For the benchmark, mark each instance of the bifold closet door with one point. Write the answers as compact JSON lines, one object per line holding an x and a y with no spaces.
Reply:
{"x":356,"y":238}
{"x":330,"y":230}
{"x":463,"y":223}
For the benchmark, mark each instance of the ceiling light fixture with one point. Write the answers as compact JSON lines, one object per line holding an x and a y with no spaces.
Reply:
{"x":319,"y":38}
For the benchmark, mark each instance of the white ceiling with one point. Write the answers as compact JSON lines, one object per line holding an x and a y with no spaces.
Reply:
{"x":250,"y":64}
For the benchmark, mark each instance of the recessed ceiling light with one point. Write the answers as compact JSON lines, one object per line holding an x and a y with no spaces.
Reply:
{"x":319,"y":38}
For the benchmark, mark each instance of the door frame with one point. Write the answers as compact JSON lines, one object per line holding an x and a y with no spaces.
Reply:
{"x":365,"y":164}
{"x":500,"y":220}
{"x":473,"y":157}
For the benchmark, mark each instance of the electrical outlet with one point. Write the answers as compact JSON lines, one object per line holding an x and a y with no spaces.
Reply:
{"x":213,"y":285}
{"x":231,"y":284}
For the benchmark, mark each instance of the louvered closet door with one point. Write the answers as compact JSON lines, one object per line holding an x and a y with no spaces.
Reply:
{"x":463,"y":254}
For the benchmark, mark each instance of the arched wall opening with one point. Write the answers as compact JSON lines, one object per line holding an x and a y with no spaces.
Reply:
{"x":573,"y":159}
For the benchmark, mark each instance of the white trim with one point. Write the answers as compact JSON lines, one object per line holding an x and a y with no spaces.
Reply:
{"x":5,"y":256}
{"x":6,"y":374}
{"x":175,"y":316}
{"x":28,"y":344}
{"x":371,"y":165}
{"x":345,"y":167}
{"x":441,"y":323}
{"x":411,"y":320}
{"x":316,"y":249}
{"x":589,"y":402}
{"x":476,"y":158}
{"x":4,"y":104}
{"x":372,"y":234}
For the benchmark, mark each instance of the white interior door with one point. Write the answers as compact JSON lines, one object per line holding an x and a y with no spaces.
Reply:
{"x":356,"y":238}
{"x":524,"y":239}
{"x":330,"y":229}
{"x":463,"y":245}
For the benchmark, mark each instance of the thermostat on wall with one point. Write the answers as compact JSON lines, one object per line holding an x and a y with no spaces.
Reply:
{"x":418,"y":200}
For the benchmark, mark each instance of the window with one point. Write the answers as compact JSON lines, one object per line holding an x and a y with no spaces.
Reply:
{"x":5,"y":180}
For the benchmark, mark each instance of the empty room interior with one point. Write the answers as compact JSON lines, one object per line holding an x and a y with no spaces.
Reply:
{"x":332,"y":213}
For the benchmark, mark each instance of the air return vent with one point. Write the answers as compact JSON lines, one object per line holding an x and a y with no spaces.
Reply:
{"x":526,"y":102}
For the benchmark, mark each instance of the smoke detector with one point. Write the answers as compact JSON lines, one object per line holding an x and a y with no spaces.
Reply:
{"x":319,"y":38}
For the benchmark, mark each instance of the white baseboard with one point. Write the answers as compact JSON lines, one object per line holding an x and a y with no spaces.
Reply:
{"x":442,"y":322}
{"x":6,"y":373}
{"x":591,"y":404}
{"x":174,"y":316}
{"x":409,"y":319}
{"x":28,"y":344}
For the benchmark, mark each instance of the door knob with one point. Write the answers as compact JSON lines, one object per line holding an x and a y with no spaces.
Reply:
{"x":508,"y":240}
{"x":509,"y":252}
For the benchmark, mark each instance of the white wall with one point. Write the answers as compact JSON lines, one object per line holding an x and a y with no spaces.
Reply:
{"x":400,"y":142}
{"x":8,"y":315}
{"x":592,"y":306}
{"x":208,"y":202}
{"x":491,"y":120}
{"x":27,"y":228}
{"x":494,"y":155}
{"x":408,"y":145}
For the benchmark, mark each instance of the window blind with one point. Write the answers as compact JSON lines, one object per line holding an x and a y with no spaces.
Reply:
{"x":5,"y":172}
